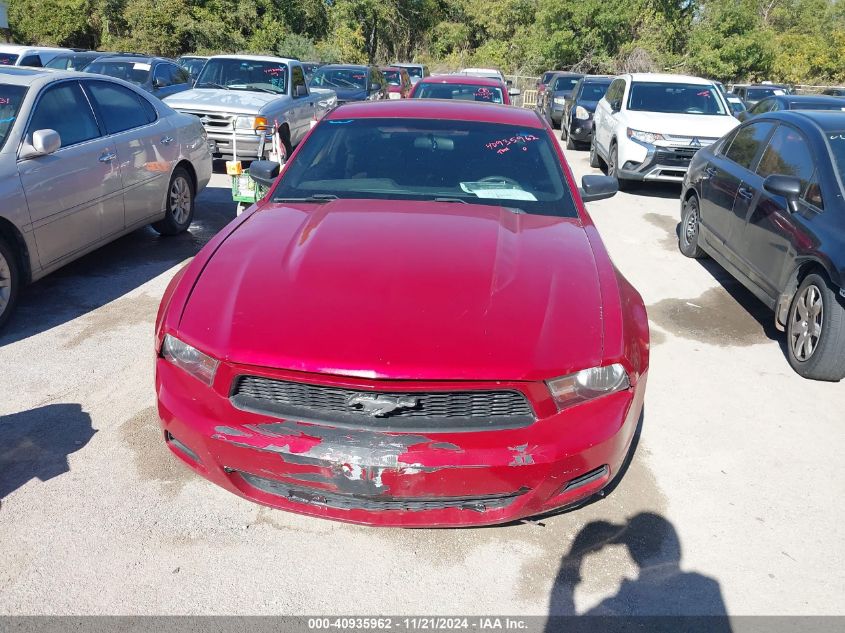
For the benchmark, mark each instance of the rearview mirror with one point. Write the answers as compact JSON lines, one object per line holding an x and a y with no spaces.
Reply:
{"x":788,"y":187}
{"x":264,"y":172}
{"x":598,"y":188}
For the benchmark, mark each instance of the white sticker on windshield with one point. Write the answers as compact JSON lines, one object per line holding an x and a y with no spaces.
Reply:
{"x":779,"y":92}
{"x":497,"y":191}
{"x":140,"y":66}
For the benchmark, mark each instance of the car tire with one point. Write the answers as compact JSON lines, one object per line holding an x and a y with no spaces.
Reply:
{"x":613,"y":168}
{"x":815,"y":331}
{"x":595,"y":161}
{"x":570,"y":144}
{"x":690,"y":229}
{"x":284,"y":141}
{"x":10,"y":280}
{"x":180,"y":204}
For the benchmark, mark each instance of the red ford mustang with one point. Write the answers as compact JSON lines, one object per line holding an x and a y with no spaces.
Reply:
{"x":418,"y":326}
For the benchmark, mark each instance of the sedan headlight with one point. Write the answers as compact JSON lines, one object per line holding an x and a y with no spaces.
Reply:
{"x":190,"y":359}
{"x":250,"y":123}
{"x":327,"y":103}
{"x":560,"y":101}
{"x":588,"y":384}
{"x":582,"y":113}
{"x":645,"y":137}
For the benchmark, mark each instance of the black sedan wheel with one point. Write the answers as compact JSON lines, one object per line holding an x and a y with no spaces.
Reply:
{"x":816,"y":331}
{"x":690,"y":228}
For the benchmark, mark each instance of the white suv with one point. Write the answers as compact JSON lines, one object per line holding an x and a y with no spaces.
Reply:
{"x":649,"y":126}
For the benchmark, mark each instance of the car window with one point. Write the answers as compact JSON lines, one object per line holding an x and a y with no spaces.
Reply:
{"x":748,"y":142}
{"x":465,"y":92}
{"x":11,"y":98}
{"x":616,"y":90}
{"x":120,"y":108}
{"x":593,"y":91}
{"x":565,"y":83}
{"x":32,"y":60}
{"x":7,"y":59}
{"x":763,"y":106}
{"x":180,"y":75}
{"x":163,"y":75}
{"x":244,"y":74}
{"x":136,"y":72}
{"x":675,"y":98}
{"x":52,"y":110}
{"x":297,"y":78}
{"x":402,"y":159}
{"x":788,"y":153}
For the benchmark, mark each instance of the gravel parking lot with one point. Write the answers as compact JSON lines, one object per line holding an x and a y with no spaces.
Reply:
{"x":731,"y":503}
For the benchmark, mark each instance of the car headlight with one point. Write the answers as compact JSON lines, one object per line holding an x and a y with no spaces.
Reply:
{"x":560,"y":100}
{"x":588,"y":384}
{"x":327,"y":103}
{"x":250,"y":123}
{"x":645,"y":137}
{"x":581,"y":113}
{"x":190,"y":359}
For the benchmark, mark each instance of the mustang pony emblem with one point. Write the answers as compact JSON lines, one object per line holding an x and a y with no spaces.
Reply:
{"x":380,"y":406}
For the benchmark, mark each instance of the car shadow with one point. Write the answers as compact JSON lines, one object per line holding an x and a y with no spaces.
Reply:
{"x":666,"y":190}
{"x":35,"y":444}
{"x":114,"y":269}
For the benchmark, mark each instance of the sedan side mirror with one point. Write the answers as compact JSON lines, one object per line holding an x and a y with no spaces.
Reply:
{"x":44,"y":142}
{"x":598,"y":187}
{"x":264,"y":172}
{"x":788,"y":187}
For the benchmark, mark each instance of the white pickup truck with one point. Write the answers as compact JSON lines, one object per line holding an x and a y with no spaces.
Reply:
{"x":244,"y":95}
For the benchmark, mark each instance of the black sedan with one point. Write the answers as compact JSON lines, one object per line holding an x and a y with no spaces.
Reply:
{"x":757,"y":92}
{"x":558,"y":91}
{"x":793,"y":102}
{"x":351,"y":82}
{"x":577,"y":122}
{"x":157,"y":75}
{"x":766,"y":202}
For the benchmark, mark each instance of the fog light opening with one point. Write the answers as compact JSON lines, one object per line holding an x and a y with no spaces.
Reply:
{"x":590,"y":477}
{"x":168,"y":436}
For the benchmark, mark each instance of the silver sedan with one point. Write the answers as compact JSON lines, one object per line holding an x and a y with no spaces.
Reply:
{"x":85,"y":159}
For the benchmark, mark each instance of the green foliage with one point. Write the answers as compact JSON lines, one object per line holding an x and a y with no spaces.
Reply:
{"x":786,"y":40}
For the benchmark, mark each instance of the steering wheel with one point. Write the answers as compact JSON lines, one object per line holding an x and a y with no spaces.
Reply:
{"x":504,"y":179}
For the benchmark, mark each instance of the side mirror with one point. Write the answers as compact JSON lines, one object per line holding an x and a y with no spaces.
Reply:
{"x":615,"y":106}
{"x":264,"y":172}
{"x":300,"y":91}
{"x":788,"y":187}
{"x":44,"y":142}
{"x":598,"y":188}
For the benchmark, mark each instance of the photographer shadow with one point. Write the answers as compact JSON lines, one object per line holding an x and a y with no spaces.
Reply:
{"x":661,"y":588}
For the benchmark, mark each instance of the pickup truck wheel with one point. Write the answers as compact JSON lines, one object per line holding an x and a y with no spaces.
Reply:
{"x":180,"y":204}
{"x":284,"y":139}
{"x":9,"y":280}
{"x":815,"y":331}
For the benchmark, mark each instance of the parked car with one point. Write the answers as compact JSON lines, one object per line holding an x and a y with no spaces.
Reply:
{"x":649,"y":126}
{"x":766,"y":202}
{"x":73,"y":176}
{"x":794,"y":102}
{"x":245,"y":95}
{"x":36,"y":56}
{"x":491,"y":73}
{"x":464,"y":87}
{"x":753,"y":93}
{"x":415,"y":71}
{"x":559,"y":90}
{"x":543,"y":82}
{"x":519,"y":390}
{"x":578,"y":109}
{"x":351,"y":82}
{"x":398,"y":82}
{"x":77,"y":60}
{"x":192,"y":64}
{"x":736,"y":105}
{"x":159,"y":76}
{"x":834,"y":92}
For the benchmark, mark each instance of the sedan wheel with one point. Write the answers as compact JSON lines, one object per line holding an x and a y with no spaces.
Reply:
{"x":9,"y":280}
{"x":816,"y":331}
{"x":688,"y":235}
{"x":180,"y":204}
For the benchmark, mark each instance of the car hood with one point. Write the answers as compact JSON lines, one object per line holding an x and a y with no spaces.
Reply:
{"x":708,"y":126}
{"x":216,"y":100}
{"x":411,"y":290}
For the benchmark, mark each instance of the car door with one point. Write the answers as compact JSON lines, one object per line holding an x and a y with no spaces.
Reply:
{"x":146,"y":145}
{"x":75,"y":192}
{"x":725,"y":190}
{"x":772,"y":234}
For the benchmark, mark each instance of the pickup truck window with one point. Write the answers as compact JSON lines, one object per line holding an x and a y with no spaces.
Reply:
{"x":344,"y":78}
{"x":298,"y":78}
{"x":244,"y":74}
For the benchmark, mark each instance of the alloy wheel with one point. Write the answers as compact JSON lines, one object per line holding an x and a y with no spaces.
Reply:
{"x":691,"y":225}
{"x":5,"y":283}
{"x":180,"y":200}
{"x":806,"y":326}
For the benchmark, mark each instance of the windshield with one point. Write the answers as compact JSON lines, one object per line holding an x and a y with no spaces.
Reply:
{"x":737,"y":106}
{"x":466,"y":92}
{"x":414,"y":71}
{"x":7,"y":59}
{"x":675,"y":98}
{"x":761,"y":93}
{"x":593,"y":91}
{"x":393,"y":77}
{"x":128,"y":70}
{"x":343,"y":78}
{"x":565,"y":84}
{"x":10,"y":102}
{"x":193,"y":66}
{"x":547,"y":77}
{"x":244,"y":74}
{"x":450,"y":161}
{"x":70,"y":62}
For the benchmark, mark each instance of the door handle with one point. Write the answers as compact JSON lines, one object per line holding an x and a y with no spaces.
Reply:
{"x":745,"y":193}
{"x":166,"y":140}
{"x":107,"y":157}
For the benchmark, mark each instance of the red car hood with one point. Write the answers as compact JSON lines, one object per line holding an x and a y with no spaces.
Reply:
{"x":410,"y":290}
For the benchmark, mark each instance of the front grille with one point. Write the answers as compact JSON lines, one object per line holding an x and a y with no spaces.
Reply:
{"x":675,"y":156}
{"x":703,"y":141}
{"x":468,"y":410}
{"x":344,"y":501}
{"x":214,"y":121}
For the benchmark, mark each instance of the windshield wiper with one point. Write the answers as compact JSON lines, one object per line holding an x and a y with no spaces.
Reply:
{"x":256,"y":89}
{"x":212,"y":85}
{"x":459,"y":200}
{"x":317,"y":197}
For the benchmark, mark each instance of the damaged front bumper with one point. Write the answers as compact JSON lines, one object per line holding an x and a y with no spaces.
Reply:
{"x":388,"y":478}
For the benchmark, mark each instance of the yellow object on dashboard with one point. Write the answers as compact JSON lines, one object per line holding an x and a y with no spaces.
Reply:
{"x":234,"y":168}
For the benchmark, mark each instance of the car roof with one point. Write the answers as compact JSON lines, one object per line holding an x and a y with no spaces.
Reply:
{"x":567,"y":73}
{"x":257,"y":58}
{"x":347,"y":66}
{"x":599,"y":77}
{"x":815,"y":99}
{"x":472,"y":80}
{"x":141,"y":59}
{"x":26,"y":76}
{"x":825,"y":120}
{"x":18,"y":48}
{"x":667,"y":78}
{"x":443,"y":109}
